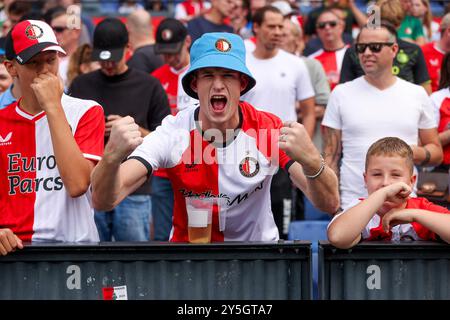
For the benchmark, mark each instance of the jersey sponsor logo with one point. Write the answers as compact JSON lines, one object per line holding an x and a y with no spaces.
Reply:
{"x":4,"y":141}
{"x":34,"y":32}
{"x":223,"y":45}
{"x":434,"y":62}
{"x":204,"y":194}
{"x":242,"y":197}
{"x":249,"y":167}
{"x":18,"y":164}
{"x":191,"y":167}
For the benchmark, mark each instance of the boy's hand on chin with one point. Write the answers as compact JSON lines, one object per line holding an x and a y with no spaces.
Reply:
{"x":397,"y":194}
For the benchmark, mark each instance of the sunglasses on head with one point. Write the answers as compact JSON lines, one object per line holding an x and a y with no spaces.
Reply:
{"x":59,"y":29}
{"x":322,"y":25}
{"x":375,"y":47}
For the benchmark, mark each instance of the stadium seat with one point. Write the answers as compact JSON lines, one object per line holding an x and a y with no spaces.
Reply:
{"x":312,"y":213}
{"x":312,"y":231}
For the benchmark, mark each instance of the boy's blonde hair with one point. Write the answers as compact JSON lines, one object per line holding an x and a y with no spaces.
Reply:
{"x":391,"y":146}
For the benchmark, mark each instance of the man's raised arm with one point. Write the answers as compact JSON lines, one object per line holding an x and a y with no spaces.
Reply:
{"x":309,"y":172}
{"x":111,"y":179}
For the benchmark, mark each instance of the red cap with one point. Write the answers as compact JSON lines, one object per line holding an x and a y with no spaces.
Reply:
{"x":28,"y":38}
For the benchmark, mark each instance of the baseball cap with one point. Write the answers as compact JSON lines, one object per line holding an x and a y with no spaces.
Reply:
{"x":110,"y":40}
{"x":170,"y":36}
{"x":28,"y":38}
{"x":221,"y":50}
{"x":283,"y":6}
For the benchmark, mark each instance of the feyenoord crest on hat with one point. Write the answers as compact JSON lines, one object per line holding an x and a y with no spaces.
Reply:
{"x":223,"y":45}
{"x":166,"y":34}
{"x":170,"y":36}
{"x":217,"y":50}
{"x":28,"y":38}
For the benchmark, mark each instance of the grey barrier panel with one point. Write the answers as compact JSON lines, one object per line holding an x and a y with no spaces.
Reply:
{"x":159,"y":271}
{"x":416,"y":270}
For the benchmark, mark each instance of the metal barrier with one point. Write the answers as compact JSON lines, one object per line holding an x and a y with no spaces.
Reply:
{"x":169,"y":271}
{"x":389,"y":271}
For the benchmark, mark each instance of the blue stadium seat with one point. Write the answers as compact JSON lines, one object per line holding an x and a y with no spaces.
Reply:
{"x":312,"y":213}
{"x":437,"y":9}
{"x":109,"y":6}
{"x":312,"y":231}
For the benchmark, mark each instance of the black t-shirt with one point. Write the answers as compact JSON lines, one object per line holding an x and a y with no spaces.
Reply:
{"x":200,"y":25}
{"x":409,"y":64}
{"x":145,"y":59}
{"x":134,"y":93}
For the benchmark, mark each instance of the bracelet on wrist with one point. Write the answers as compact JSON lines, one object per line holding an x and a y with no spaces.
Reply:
{"x":319,"y":172}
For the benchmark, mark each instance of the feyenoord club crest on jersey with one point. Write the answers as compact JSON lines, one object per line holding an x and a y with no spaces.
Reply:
{"x":223,"y":45}
{"x":249,"y":167}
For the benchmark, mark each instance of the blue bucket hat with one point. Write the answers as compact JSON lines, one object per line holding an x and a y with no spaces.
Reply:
{"x":217,"y":49}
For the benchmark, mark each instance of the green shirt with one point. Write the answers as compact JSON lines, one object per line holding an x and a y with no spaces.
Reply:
{"x":411,"y":28}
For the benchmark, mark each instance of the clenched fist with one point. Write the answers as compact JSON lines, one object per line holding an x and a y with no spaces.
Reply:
{"x":295,"y":141}
{"x":124,"y":138}
{"x":48,"y":89}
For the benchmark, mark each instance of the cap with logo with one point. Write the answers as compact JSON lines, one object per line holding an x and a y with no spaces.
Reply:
{"x":28,"y":38}
{"x":217,"y":50}
{"x":170,"y":36}
{"x":110,"y":40}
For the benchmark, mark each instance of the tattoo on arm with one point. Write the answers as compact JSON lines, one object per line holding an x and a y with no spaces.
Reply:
{"x":332,"y":148}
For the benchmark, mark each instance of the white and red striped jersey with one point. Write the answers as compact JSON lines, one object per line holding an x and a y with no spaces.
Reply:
{"x":332,"y":63}
{"x":188,"y":9}
{"x":441,"y":106}
{"x":240,"y":172}
{"x":34,"y":203}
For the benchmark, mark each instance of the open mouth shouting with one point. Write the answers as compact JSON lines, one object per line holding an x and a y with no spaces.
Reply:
{"x":218,"y":102}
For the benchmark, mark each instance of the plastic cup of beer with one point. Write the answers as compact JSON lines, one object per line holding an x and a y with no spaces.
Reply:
{"x":199,"y":211}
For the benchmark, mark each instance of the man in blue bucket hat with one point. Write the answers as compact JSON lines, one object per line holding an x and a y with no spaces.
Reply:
{"x":221,"y":148}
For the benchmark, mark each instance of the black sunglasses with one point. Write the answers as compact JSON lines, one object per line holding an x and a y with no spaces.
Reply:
{"x":322,"y":25}
{"x":59,"y":29}
{"x":375,"y":47}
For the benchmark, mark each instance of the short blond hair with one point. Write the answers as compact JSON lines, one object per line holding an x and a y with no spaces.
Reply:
{"x":391,"y":146}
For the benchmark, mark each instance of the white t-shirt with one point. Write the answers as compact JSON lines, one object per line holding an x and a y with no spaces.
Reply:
{"x":365,"y":114}
{"x":280,"y":82}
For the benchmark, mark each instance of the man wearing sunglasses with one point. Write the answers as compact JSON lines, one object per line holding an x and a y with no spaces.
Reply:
{"x":373,"y":106}
{"x":409,"y":63}
{"x":329,"y":29}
